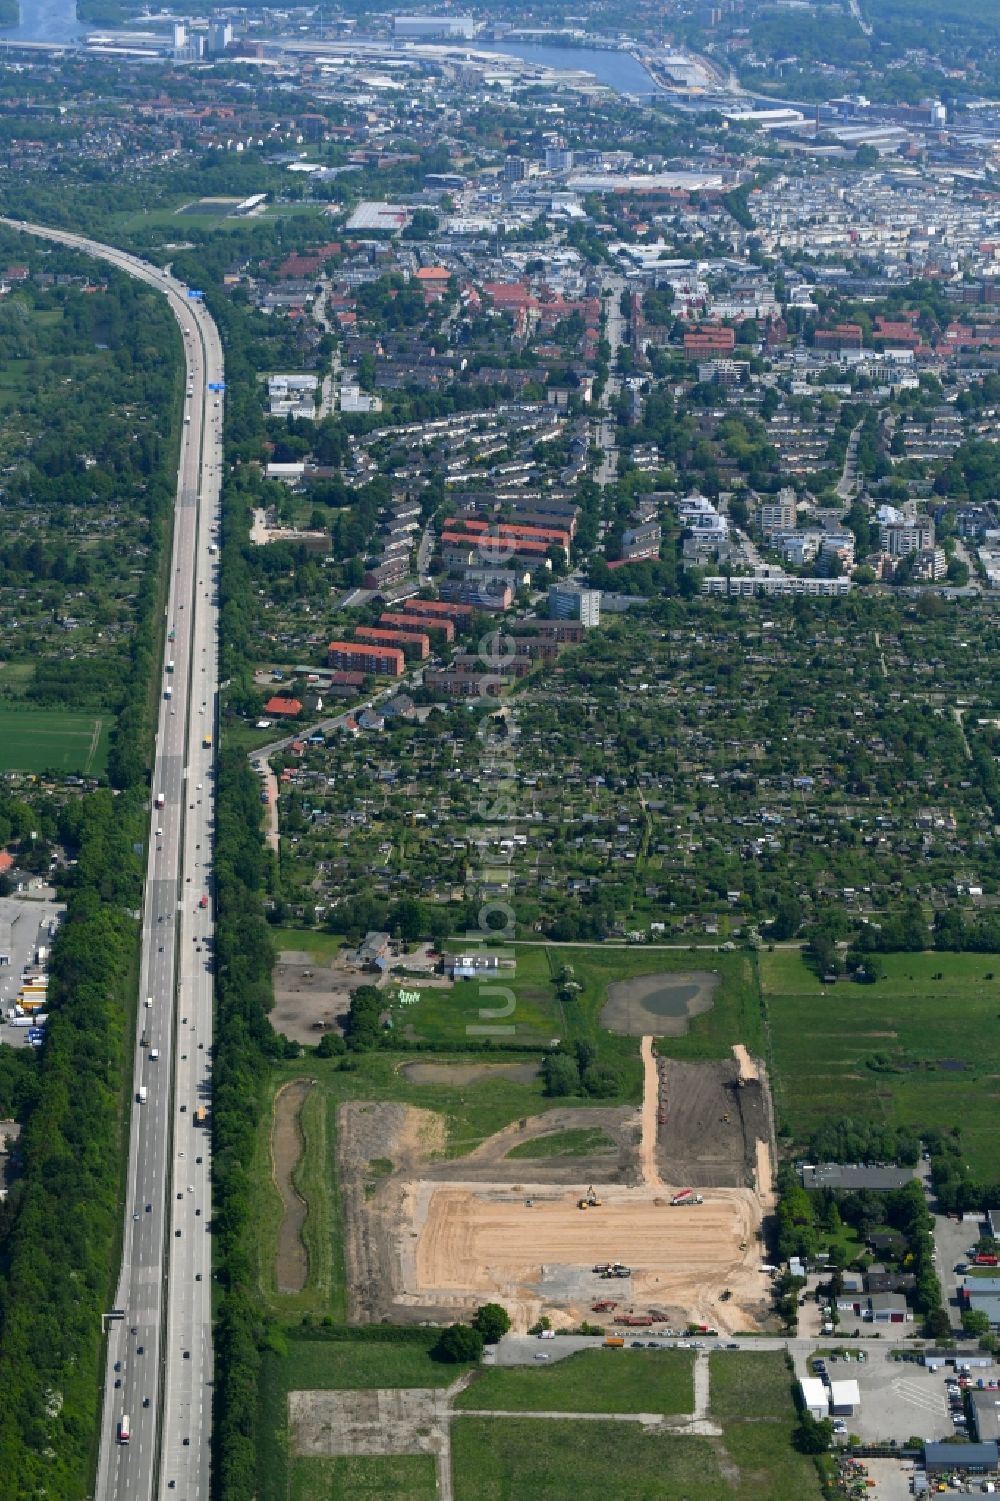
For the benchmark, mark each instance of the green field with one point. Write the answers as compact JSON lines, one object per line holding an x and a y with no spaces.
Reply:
{"x":447,"y":1016}
{"x":749,"y":1384}
{"x":457,"y":1015}
{"x":590,"y":1381}
{"x":564,"y":1144}
{"x":500,"y":1459}
{"x":406,"y":1477}
{"x":912,"y":1050}
{"x":42,"y":740}
{"x":297,"y":1364}
{"x":320,"y":946}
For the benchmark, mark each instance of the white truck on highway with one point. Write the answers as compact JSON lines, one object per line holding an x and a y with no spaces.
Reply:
{"x":143,"y":1094}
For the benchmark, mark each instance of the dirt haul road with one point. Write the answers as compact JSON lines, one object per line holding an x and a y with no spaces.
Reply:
{"x":469,"y":1241}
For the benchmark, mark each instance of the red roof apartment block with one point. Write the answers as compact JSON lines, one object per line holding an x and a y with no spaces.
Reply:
{"x":388,"y":660}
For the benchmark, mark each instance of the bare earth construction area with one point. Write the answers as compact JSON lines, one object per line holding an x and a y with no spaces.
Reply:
{"x":658,"y":1005}
{"x":433,"y":1238}
{"x":467,"y":1243}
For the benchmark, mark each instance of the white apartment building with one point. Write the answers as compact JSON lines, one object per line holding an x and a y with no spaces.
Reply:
{"x":779,"y":514}
{"x":898,"y":538}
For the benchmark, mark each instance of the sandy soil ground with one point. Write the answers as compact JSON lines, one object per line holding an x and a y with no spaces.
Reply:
{"x":310,"y":997}
{"x":469,"y":1242}
{"x":457,"y":1074}
{"x":291,"y":1265}
{"x":748,"y":1066}
{"x":650,"y":1095}
{"x":658,"y":1005}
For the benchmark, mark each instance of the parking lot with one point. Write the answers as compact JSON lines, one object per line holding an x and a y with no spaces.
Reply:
{"x":952,"y":1239}
{"x":24,"y":927}
{"x":899,"y":1399}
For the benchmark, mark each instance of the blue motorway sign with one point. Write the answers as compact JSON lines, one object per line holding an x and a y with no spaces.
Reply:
{"x":216,"y":385}
{"x":195,"y":292}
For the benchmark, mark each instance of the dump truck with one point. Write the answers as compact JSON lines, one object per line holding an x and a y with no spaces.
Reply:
{"x":686,"y":1196}
{"x":206,"y":742}
{"x":614,"y":1342}
{"x":200,"y":1116}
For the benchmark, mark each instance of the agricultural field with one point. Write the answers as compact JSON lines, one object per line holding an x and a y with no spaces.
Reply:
{"x":36,"y":740}
{"x":919,"y":1048}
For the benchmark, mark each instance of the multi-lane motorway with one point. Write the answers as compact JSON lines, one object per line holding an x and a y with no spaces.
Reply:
{"x":159,"y":1362}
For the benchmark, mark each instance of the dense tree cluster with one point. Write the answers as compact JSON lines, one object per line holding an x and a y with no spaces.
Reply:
{"x":575,"y":1069}
{"x":60,"y":1224}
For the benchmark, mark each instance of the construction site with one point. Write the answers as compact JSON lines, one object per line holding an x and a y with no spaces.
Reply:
{"x":614,"y":1238}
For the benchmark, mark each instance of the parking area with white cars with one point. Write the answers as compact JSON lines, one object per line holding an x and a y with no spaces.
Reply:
{"x":27,"y":928}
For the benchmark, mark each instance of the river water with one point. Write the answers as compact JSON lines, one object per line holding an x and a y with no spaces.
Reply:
{"x":45,"y":21}
{"x":619,"y":70}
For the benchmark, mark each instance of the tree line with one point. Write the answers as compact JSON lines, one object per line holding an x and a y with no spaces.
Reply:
{"x":245,"y":1046}
{"x":60,"y":1225}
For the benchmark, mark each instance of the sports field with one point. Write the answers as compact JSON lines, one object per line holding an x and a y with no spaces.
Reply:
{"x":53,"y":740}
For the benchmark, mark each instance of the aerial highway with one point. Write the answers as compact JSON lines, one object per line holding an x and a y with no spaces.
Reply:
{"x":157,"y":1407}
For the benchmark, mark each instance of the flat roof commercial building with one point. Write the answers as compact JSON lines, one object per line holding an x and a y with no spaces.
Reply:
{"x":854,"y":1176}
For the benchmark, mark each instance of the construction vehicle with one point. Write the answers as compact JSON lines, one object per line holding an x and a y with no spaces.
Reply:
{"x":603,"y":1305}
{"x":590,"y":1202}
{"x":634,"y":1320}
{"x":614,"y":1342}
{"x":686,"y":1196}
{"x":206,"y":741}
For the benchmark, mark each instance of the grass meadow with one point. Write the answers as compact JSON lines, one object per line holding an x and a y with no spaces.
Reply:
{"x":919,"y":1048}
